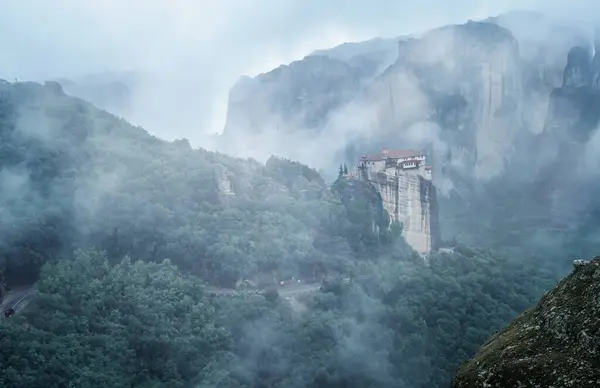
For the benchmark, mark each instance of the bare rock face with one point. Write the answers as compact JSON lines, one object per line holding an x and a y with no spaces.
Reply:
{"x":560,"y":154}
{"x":555,"y":344}
{"x":224,"y":181}
{"x":574,"y":106}
{"x":411,"y":200}
{"x":469,"y":76}
{"x":580,"y":263}
{"x":391,"y":189}
{"x":475,"y":94}
{"x":464,"y":78}
{"x":299,"y":95}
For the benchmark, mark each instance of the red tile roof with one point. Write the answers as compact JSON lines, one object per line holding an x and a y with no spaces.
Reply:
{"x":395,"y":154}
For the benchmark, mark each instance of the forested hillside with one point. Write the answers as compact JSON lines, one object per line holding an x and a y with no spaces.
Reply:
{"x":124,"y":231}
{"x":76,"y":176}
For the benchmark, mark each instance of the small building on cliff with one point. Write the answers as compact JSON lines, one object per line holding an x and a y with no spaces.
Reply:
{"x":403,"y":180}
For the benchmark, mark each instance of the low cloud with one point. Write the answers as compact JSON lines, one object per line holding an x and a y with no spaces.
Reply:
{"x":191,"y":52}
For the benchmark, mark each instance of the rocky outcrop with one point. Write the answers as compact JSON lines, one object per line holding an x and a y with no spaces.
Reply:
{"x":574,"y":108}
{"x":464,"y":78}
{"x":224,"y":181}
{"x":543,"y":48}
{"x":561,"y":156}
{"x":394,"y":188}
{"x":469,"y":78}
{"x":555,"y":344}
{"x":297,"y":104}
{"x":299,"y":95}
{"x":410,"y":199}
{"x":482,"y":86}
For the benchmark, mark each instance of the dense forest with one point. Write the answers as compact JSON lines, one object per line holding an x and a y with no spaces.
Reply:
{"x":124,"y":233}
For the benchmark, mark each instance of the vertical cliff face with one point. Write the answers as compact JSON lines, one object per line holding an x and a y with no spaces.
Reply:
{"x":470,"y":79}
{"x":464,"y":79}
{"x":574,"y":106}
{"x":407,"y":194}
{"x":297,"y":96}
{"x":482,"y":86}
{"x":411,"y":200}
{"x":561,"y":153}
{"x":224,"y":181}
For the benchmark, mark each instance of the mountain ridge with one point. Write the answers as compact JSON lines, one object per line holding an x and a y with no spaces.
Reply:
{"x":551,"y":344}
{"x":493,"y":130}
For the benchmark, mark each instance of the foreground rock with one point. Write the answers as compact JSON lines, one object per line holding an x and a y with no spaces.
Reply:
{"x":555,"y":344}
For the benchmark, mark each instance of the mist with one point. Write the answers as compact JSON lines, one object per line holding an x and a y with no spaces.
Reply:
{"x":172,"y":223}
{"x":392,"y":102}
{"x":188,"y":54}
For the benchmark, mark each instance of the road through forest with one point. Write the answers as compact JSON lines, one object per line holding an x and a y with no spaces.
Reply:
{"x":285,"y":291}
{"x":18,"y":298}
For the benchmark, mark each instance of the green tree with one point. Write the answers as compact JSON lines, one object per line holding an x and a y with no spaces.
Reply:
{"x":96,"y":324}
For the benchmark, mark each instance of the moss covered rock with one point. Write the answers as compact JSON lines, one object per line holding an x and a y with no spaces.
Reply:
{"x":555,"y":344}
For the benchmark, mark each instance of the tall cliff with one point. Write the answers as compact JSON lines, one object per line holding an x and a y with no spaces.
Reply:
{"x":463,"y":78}
{"x":506,"y":105}
{"x":468,"y":81}
{"x":301,"y":95}
{"x":554,"y":344}
{"x":293,"y":104}
{"x":562,"y":157}
{"x":573,"y":111}
{"x":471,"y":91}
{"x":410,"y":199}
{"x":397,"y":189}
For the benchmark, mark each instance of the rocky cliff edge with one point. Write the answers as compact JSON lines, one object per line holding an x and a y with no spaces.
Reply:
{"x":554,"y":344}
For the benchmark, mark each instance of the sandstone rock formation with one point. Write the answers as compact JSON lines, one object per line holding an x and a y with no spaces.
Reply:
{"x":464,"y":78}
{"x":574,"y":107}
{"x":302,"y":94}
{"x":299,"y":95}
{"x":397,"y":188}
{"x":469,"y":76}
{"x":410,"y":199}
{"x":224,"y":182}
{"x":554,"y":344}
{"x":561,"y":156}
{"x":482,"y":86}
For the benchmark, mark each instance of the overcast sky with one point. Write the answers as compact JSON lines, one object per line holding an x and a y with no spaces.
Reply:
{"x":200,"y":47}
